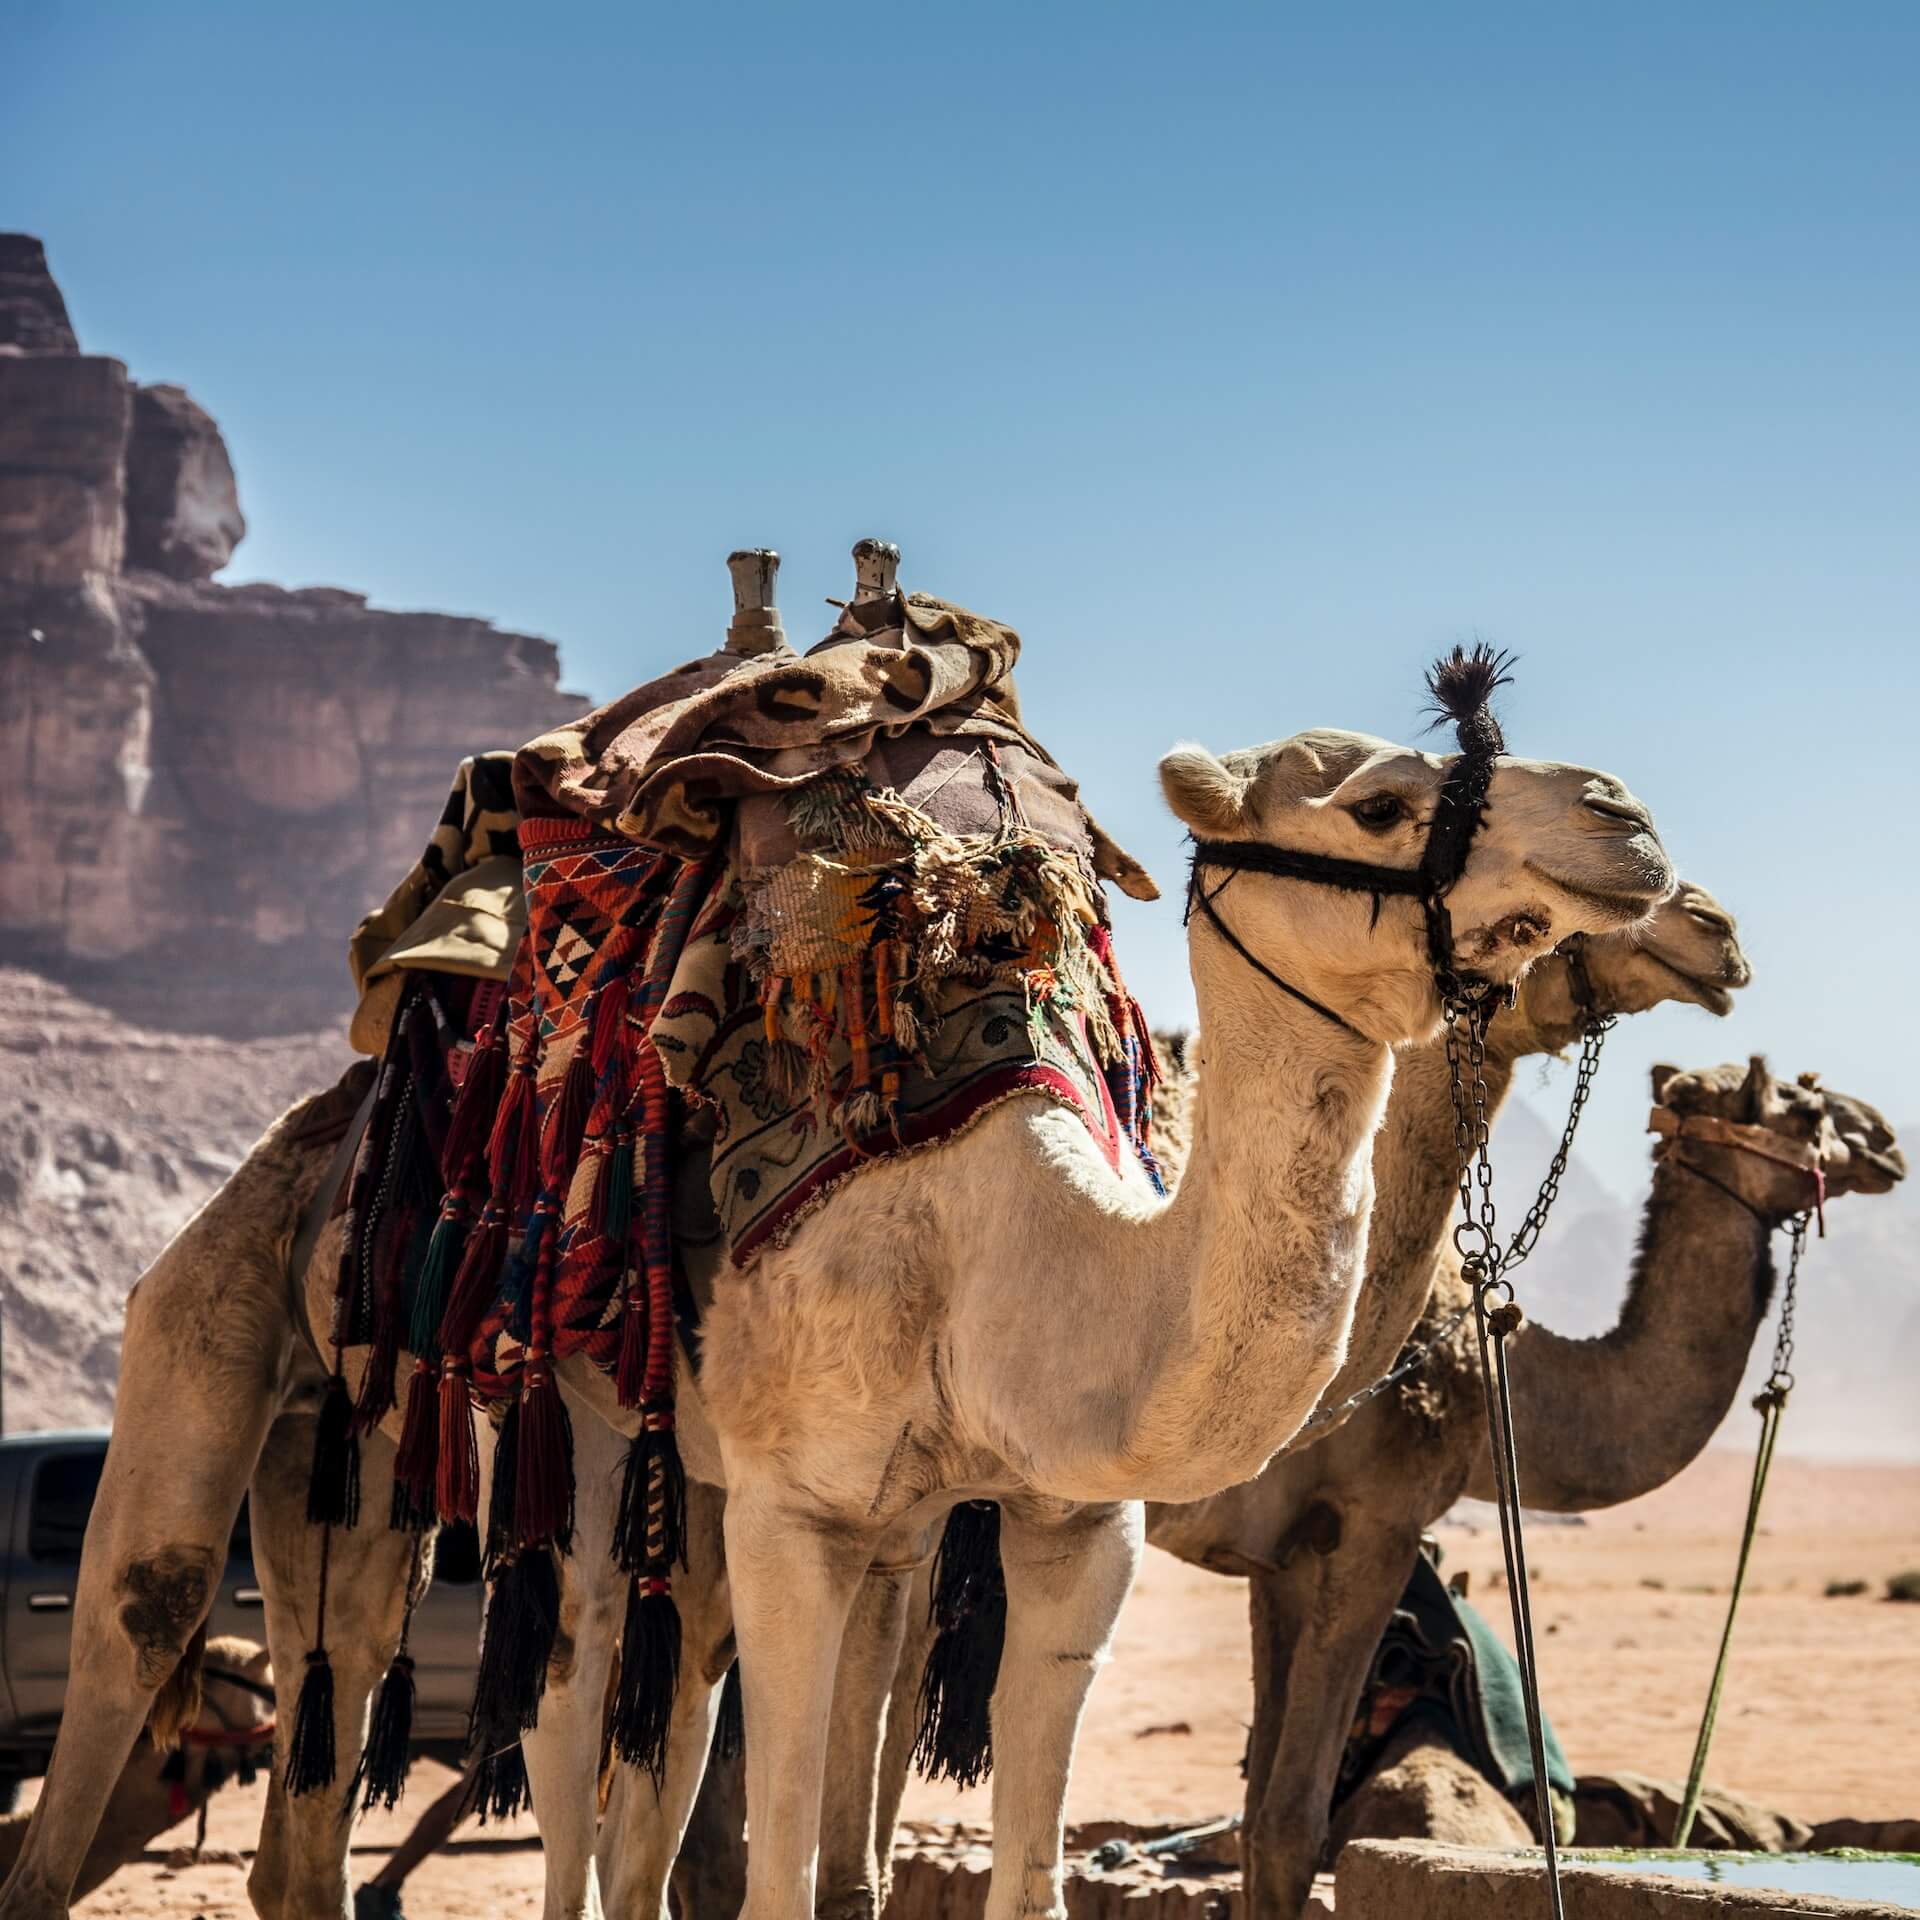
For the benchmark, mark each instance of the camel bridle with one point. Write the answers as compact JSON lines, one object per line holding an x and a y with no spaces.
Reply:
{"x":1456,"y":817}
{"x":1675,"y":1130}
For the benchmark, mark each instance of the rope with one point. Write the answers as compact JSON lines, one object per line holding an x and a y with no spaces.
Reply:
{"x":1769,"y":1403}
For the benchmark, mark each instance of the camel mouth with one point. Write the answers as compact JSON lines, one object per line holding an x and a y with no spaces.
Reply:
{"x":1624,"y":906}
{"x":1885,"y":1170}
{"x":1714,"y":995}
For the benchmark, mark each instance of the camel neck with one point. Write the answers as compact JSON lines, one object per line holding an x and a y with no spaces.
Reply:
{"x":1604,"y":1420}
{"x":1415,"y":1192}
{"x":1266,"y":1238}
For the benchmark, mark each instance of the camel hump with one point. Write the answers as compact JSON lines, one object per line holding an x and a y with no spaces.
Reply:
{"x":322,"y":1119}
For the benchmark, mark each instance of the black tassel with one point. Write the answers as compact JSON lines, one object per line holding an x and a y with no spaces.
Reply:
{"x":654,"y":1449}
{"x":1461,"y":684}
{"x":523,"y":1618}
{"x":382,"y":1773}
{"x":310,"y":1751}
{"x":969,"y":1612}
{"x":544,"y":1490}
{"x":410,"y":1507}
{"x":501,"y":1789}
{"x":730,"y":1729}
{"x":649,"y":1677}
{"x":333,"y":1489}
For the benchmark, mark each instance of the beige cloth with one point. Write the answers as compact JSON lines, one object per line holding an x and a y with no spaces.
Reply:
{"x":472,"y":927}
{"x":661,"y":765}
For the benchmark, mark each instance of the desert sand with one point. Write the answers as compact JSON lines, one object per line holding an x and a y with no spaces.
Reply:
{"x":1818,"y":1717}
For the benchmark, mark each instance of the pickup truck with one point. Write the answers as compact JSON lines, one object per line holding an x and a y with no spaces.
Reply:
{"x":47,"y":1485}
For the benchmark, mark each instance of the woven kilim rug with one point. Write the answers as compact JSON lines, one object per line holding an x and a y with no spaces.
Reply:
{"x":831,"y":954}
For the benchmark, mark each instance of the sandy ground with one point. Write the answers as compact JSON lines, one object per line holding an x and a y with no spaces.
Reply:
{"x":1818,"y":1718}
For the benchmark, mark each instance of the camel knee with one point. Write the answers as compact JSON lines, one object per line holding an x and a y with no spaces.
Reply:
{"x":30,"y":1895}
{"x":163,"y":1602}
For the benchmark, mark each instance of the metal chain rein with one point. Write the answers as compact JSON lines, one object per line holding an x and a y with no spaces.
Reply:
{"x":1482,"y":1260}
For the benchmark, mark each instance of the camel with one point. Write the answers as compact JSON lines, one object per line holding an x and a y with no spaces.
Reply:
{"x":211,"y":1724}
{"x":1597,"y":1422}
{"x":896,"y":1355}
{"x":1687,"y":950}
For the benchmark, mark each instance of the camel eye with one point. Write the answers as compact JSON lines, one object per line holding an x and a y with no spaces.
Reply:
{"x":1378,"y":810}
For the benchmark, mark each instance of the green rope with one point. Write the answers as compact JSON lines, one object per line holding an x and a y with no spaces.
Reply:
{"x":1769,"y":1403}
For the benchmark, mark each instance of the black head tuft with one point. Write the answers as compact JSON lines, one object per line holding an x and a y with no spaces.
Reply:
{"x":1461,"y":684}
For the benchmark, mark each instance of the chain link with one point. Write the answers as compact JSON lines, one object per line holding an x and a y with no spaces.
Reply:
{"x":1481,"y":1259}
{"x":1470,"y":1137}
{"x":1780,"y":1374}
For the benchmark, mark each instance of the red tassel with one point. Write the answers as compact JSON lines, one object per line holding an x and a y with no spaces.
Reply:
{"x":457,"y":1486}
{"x":567,"y":1125}
{"x":630,"y":1373}
{"x":513,"y":1147}
{"x":416,"y":1465}
{"x":609,"y":1019}
{"x":474,"y":1284}
{"x":377,"y":1384}
{"x":543,"y":1485}
{"x":653,"y":1252}
{"x":475,"y":1110}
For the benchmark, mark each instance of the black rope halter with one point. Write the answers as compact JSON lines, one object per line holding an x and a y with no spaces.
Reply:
{"x":1461,"y":686}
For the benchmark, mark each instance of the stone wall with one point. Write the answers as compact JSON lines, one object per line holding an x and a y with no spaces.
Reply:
{"x":187,"y":769}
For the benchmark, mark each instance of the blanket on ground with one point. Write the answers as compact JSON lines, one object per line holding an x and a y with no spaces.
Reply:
{"x":1440,"y":1662}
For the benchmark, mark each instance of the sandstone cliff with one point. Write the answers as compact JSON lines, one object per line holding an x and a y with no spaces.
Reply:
{"x":188,"y":770}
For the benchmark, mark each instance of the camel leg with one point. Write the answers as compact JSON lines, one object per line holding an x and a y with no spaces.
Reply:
{"x":1067,"y":1579}
{"x":300,"y":1870}
{"x":641,"y":1836}
{"x":1273,"y":1629}
{"x":710,"y":1876}
{"x":850,"y":1836}
{"x":1333,"y":1610}
{"x":903,"y":1724}
{"x":202,"y":1371}
{"x":563,"y":1749}
{"x":793,"y":1579}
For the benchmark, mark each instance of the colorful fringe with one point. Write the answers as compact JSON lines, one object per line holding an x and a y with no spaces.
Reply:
{"x":511,"y":1205}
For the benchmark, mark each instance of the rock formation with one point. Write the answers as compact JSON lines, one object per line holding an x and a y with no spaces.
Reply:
{"x":224,"y":774}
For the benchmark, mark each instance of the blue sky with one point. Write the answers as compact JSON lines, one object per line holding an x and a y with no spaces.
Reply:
{"x":1241,"y":357}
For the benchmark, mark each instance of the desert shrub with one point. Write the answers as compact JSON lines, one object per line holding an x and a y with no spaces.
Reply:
{"x":1905,"y":1586}
{"x":1845,"y":1589}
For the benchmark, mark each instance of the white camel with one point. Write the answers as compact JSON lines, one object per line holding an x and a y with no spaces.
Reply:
{"x":1685,"y":951}
{"x":1004,"y":1317}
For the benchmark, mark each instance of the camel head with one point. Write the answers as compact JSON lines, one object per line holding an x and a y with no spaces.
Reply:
{"x":1561,"y":850}
{"x":1852,"y":1143}
{"x":1686,"y":949}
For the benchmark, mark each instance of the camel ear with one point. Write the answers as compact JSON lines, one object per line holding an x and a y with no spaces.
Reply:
{"x":1210,"y":798}
{"x":1662,"y":1074}
{"x":1758,"y":1088}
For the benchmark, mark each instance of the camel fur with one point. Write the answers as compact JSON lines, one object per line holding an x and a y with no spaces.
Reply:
{"x":1687,"y":950}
